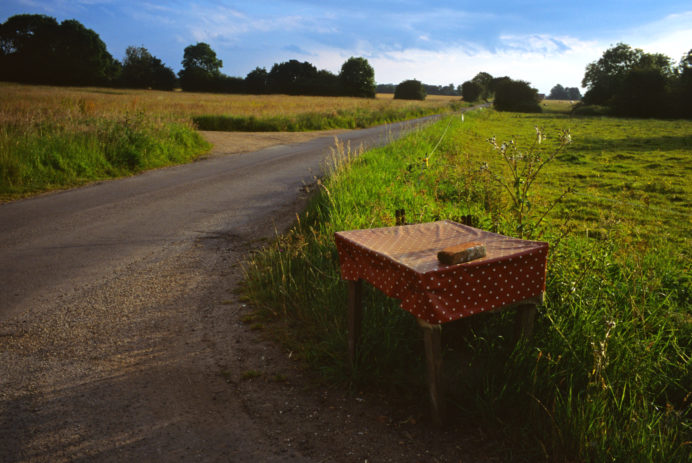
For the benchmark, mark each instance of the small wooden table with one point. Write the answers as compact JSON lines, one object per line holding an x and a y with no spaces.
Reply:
{"x":402,"y":262}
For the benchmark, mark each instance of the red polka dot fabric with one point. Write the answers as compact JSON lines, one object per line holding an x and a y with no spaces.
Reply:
{"x":402,"y":263}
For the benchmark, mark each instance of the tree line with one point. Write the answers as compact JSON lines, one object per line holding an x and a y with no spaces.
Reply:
{"x":507,"y":94}
{"x":630,"y":82}
{"x":37,"y":49}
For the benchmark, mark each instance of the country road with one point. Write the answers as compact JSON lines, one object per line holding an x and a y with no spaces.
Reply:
{"x":52,"y":243}
{"x":122,"y":337}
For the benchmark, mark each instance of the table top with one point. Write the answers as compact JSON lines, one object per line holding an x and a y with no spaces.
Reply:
{"x":402,"y":262}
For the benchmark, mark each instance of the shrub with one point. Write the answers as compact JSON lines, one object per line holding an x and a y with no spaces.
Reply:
{"x":471,"y":91}
{"x":409,"y":90}
{"x":518,"y":96}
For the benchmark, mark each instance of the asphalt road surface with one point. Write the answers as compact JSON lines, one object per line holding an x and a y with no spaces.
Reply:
{"x":53,"y":243}
{"x":122,"y":337}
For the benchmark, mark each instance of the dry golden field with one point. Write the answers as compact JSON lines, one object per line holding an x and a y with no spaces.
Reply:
{"x":24,"y":105}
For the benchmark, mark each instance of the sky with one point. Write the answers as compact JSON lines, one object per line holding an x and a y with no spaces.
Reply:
{"x":437,"y":42}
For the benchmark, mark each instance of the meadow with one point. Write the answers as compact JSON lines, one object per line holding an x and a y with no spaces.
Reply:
{"x":606,"y":375}
{"x":55,"y":137}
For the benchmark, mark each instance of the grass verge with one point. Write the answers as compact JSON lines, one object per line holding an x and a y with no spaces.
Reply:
{"x":50,"y":156}
{"x":606,"y":376}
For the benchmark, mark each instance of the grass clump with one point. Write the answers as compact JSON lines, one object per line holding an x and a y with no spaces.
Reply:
{"x":606,"y":376}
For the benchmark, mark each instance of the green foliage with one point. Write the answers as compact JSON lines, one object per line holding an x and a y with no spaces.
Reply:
{"x":36,"y":49}
{"x":471,"y":91}
{"x":409,"y":90}
{"x":522,"y":167}
{"x":256,"y":81}
{"x":606,"y":376}
{"x":50,"y":156}
{"x":558,"y":92}
{"x":516,"y":95}
{"x":142,"y":70}
{"x":357,"y":78}
{"x":485,"y":81}
{"x":635,"y":83}
{"x":201,"y":70}
{"x":292,"y":78}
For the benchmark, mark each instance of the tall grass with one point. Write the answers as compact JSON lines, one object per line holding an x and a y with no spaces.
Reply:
{"x":54,"y":137}
{"x":606,"y":376}
{"x":356,"y":118}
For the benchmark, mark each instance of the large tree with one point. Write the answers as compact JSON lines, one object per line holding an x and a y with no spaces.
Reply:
{"x":357,"y":78}
{"x":36,"y":49}
{"x":632,"y":82}
{"x":143,"y":70}
{"x":484,"y":81}
{"x":605,"y":78}
{"x":201,"y":70}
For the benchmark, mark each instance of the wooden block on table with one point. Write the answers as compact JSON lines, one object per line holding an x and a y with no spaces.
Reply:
{"x":461,"y":253}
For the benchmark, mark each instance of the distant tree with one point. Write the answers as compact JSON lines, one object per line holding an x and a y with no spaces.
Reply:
{"x":604,"y":78}
{"x":558,"y":92}
{"x":634,"y":83}
{"x":496,"y":82}
{"x":227,"y":84}
{"x":256,"y":81}
{"x":142,"y":70}
{"x":564,"y":93}
{"x":357,"y":78}
{"x":409,"y":90}
{"x":449,"y":90}
{"x":36,"y":49}
{"x":485,"y":82}
{"x":385,"y":88}
{"x":573,"y":93}
{"x":201,"y":69}
{"x":471,"y":91}
{"x":516,"y":95}
{"x":292,"y":78}
{"x":326,"y":83}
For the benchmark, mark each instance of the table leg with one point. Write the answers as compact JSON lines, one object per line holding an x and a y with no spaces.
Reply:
{"x":355,"y":316}
{"x":523,"y":325}
{"x":432,"y":337}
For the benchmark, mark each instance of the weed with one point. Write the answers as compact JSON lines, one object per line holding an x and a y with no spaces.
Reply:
{"x":251,"y":374}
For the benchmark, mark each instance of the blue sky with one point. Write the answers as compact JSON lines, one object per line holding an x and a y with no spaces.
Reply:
{"x":441,"y":42}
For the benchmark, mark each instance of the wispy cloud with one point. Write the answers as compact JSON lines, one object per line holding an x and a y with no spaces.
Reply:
{"x":671,"y":35}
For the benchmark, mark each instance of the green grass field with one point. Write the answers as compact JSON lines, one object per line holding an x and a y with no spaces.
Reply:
{"x":606,"y":376}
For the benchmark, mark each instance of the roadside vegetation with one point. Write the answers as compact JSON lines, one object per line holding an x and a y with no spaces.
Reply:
{"x":606,"y":375}
{"x":52,"y":137}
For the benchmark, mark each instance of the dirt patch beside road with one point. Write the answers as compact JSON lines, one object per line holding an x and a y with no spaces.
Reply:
{"x":244,"y":142}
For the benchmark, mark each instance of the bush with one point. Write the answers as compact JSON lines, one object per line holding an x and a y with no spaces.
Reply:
{"x":409,"y":90}
{"x":517,"y":96}
{"x":471,"y":91}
